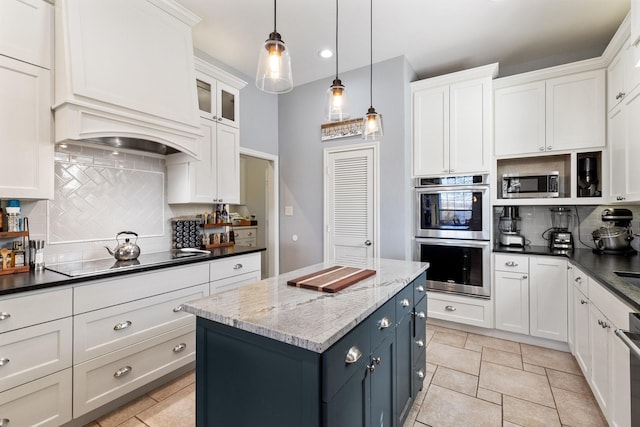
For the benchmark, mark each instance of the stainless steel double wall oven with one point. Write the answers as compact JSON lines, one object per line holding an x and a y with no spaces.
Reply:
{"x":452,"y":232}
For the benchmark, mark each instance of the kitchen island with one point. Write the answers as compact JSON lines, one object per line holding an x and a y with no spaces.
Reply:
{"x":272,"y":354}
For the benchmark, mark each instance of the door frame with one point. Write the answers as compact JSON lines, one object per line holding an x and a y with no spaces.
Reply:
{"x":375,"y":146}
{"x":273,"y":221}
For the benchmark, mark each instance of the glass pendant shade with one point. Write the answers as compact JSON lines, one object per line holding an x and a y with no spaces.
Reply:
{"x":274,"y":66}
{"x":336,"y":106}
{"x":372,"y":124}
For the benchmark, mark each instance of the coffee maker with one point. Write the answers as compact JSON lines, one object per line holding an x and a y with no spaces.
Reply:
{"x":588,"y":177}
{"x":509,"y":226}
{"x":560,"y":238}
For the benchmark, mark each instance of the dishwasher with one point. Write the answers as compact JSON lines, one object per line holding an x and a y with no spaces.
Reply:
{"x":632,"y":340}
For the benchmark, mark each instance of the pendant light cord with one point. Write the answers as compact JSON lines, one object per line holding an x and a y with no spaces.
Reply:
{"x":337,"y":39}
{"x":274,"y":17}
{"x":371,"y":54}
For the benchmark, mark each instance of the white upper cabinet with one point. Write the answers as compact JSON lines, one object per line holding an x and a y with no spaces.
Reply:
{"x":125,"y":68}
{"x":556,"y":114}
{"x":635,"y":22}
{"x":26,"y":31}
{"x":218,"y":94}
{"x":25,"y":115}
{"x":452,"y":122}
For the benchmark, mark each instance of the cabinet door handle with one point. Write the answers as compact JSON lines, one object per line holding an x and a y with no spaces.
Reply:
{"x":420,"y":315}
{"x":353,"y":355}
{"x":122,"y":325}
{"x":384,"y":323}
{"x":511,"y":264}
{"x":420,"y":288}
{"x":4,"y":361}
{"x":178,"y":308}
{"x":420,"y":374}
{"x":450,"y":308}
{"x":405,"y":302}
{"x":4,"y":422}
{"x":179,"y":347}
{"x":237,"y":266}
{"x":420,"y":343}
{"x":122,"y":372}
{"x":4,"y":315}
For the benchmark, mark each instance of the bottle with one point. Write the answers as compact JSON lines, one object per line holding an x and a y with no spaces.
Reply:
{"x":218,"y":215}
{"x":1,"y":219}
{"x":225,"y":214}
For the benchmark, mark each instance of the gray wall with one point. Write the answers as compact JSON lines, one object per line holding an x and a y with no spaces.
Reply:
{"x":258,"y":112}
{"x":300,"y":114}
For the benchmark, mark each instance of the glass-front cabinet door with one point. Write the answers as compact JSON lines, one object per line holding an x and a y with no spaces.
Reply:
{"x":217,"y":100}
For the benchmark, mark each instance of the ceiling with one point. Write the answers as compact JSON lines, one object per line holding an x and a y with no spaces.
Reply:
{"x":436,"y":36}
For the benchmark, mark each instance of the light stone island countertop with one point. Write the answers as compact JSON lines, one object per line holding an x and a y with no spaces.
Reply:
{"x":306,"y":318}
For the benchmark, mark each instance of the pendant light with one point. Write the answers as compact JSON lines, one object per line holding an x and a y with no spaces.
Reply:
{"x":274,"y":64}
{"x":372,"y":121}
{"x":336,"y":100}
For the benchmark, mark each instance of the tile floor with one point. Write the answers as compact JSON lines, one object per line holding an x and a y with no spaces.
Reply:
{"x":472,"y":380}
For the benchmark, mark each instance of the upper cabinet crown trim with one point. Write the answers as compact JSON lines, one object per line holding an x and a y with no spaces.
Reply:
{"x":218,"y":74}
{"x":177,"y":11}
{"x":465,"y":75}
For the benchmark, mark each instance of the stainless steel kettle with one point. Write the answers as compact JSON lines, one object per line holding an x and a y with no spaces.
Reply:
{"x":126,"y":251}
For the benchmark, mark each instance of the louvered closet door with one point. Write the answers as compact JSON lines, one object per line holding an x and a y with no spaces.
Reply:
{"x":350,"y":206}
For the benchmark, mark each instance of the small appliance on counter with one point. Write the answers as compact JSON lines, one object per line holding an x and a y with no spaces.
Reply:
{"x":616,"y":235}
{"x":509,"y":226}
{"x":560,"y":238}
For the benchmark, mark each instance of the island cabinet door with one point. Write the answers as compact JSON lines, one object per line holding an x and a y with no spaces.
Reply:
{"x":349,"y":407}
{"x":382,"y":374}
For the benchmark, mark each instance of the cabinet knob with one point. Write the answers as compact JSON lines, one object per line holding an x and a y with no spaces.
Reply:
{"x":179,"y":347}
{"x":582,"y":301}
{"x":420,"y":374}
{"x":541,"y":148}
{"x":4,"y":315}
{"x":578,"y":279}
{"x":549,"y":147}
{"x":122,"y":325}
{"x":420,"y":315}
{"x":420,"y":288}
{"x":367,"y":243}
{"x":219,"y":119}
{"x":450,"y":308}
{"x":178,"y":309}
{"x":620,"y":95}
{"x":4,"y":361}
{"x":524,"y":276}
{"x":122,"y":371}
{"x":4,"y":422}
{"x":452,"y":170}
{"x":511,"y":264}
{"x":353,"y":355}
{"x":420,"y":343}
{"x":237,"y":266}
{"x":384,"y":323}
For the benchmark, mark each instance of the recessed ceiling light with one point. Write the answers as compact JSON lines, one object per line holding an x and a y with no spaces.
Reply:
{"x":325,"y":53}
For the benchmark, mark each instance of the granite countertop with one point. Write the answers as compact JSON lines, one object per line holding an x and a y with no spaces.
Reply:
{"x":306,"y":318}
{"x":599,"y":266}
{"x":22,"y":282}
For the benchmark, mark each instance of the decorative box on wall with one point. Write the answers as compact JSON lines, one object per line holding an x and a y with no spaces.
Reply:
{"x":343,"y":129}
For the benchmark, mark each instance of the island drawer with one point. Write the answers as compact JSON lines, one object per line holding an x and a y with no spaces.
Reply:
{"x":383,"y":323}
{"x":106,"y":293}
{"x":404,"y":302}
{"x":513,"y":263}
{"x":420,"y":286}
{"x":115,"y":374}
{"x":345,"y":358}
{"x":234,"y":266}
{"x":31,"y":308}
{"x":420,"y":333}
{"x":44,"y":402}
{"x":419,"y":372}
{"x":112,"y":328}
{"x":30,"y":353}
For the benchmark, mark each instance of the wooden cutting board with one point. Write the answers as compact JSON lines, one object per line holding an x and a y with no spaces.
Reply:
{"x":332,"y":279}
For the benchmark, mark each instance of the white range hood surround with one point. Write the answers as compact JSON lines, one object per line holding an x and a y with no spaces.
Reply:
{"x":125,"y":75}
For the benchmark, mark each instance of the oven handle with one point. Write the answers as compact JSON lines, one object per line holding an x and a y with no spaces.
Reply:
{"x":622,"y":334}
{"x":465,"y":243}
{"x":435,"y":189}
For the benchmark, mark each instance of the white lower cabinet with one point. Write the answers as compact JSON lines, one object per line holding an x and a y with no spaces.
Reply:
{"x":531,"y":295}
{"x":45,"y":402}
{"x":601,"y":355}
{"x":460,"y":309}
{"x":229,"y":273}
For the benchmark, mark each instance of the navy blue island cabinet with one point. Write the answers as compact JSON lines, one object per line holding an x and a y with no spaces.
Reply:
{"x":369,"y":377}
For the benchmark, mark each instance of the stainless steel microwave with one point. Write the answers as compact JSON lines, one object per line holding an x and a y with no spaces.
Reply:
{"x":520,"y":186}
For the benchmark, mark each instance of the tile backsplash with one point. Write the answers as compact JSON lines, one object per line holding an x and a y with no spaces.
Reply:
{"x":99,"y":193}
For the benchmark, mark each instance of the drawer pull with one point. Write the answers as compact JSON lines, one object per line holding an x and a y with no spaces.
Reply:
{"x":578,"y":279}
{"x":450,"y":308}
{"x":4,"y":316}
{"x":179,"y":347}
{"x":178,"y":309}
{"x":123,"y":371}
{"x":582,"y":301}
{"x":420,"y":343}
{"x":353,"y":355}
{"x":4,"y":361}
{"x":237,"y":266}
{"x":511,"y":264}
{"x":420,"y":374}
{"x":4,"y":422}
{"x":122,"y":325}
{"x":420,"y":288}
{"x":420,"y":315}
{"x":405,"y":302}
{"x":384,"y":323}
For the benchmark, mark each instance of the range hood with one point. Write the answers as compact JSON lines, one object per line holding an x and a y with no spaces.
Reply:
{"x":125,"y":75}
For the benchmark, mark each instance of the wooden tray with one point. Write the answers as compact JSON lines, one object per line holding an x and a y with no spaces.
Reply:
{"x":331,"y":279}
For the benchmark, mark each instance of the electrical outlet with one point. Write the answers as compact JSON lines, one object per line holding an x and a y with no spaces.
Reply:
{"x":288,"y":210}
